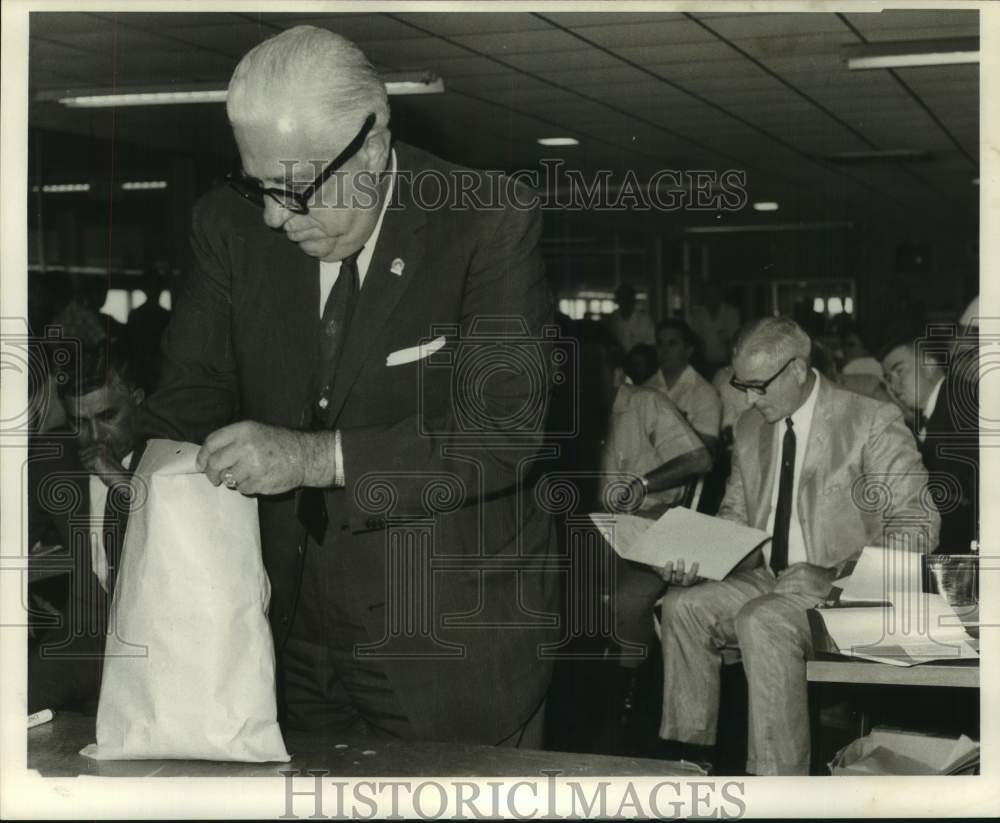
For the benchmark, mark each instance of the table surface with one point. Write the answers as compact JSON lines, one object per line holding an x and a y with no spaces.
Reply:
{"x":831,"y":669}
{"x":53,"y":750}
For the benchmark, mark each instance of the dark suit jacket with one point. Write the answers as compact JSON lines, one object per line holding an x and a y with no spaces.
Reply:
{"x":64,"y":669}
{"x":951,"y":453}
{"x":420,"y":439}
{"x":861,"y":478}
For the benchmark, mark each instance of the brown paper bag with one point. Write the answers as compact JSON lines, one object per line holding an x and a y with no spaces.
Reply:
{"x":189,"y":659}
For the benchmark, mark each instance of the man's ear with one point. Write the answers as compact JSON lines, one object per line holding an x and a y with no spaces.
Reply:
{"x":138,"y":395}
{"x":376,"y":151}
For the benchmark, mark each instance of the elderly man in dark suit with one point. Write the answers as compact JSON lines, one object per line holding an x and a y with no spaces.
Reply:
{"x":373,"y":366}
{"x":944,"y":401}
{"x":825,"y":472}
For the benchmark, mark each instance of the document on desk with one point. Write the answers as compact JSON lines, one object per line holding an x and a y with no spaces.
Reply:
{"x":881,"y":574}
{"x":915,"y":628}
{"x":716,"y":545}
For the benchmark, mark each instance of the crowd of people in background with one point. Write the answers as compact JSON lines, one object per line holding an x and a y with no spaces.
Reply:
{"x":655,"y":409}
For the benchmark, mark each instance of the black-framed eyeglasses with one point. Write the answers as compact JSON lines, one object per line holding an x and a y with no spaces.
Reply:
{"x":758,"y":386}
{"x":298,"y":201}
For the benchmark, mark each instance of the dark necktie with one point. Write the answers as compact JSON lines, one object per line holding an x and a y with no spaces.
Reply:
{"x":334,"y":325}
{"x":783,"y":513}
{"x":113,"y":529}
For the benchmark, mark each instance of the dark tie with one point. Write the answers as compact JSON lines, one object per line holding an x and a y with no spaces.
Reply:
{"x":113,"y":528}
{"x":334,"y":325}
{"x":336,"y":321}
{"x":783,"y":513}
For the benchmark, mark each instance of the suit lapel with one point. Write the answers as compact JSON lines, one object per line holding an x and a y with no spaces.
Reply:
{"x":765,"y":475}
{"x":819,"y":433}
{"x":295,"y":292}
{"x":400,"y":238}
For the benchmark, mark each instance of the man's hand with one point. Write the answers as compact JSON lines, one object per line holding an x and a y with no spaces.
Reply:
{"x":98,"y":459}
{"x":805,"y":578}
{"x":675,"y":576}
{"x":258,"y":459}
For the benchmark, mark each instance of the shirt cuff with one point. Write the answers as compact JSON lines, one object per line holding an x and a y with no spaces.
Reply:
{"x":338,"y":461}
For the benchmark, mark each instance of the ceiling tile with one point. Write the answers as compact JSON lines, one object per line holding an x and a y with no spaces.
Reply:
{"x":456,"y":24}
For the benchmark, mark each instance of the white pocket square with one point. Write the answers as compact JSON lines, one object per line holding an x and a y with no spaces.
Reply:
{"x":398,"y":358}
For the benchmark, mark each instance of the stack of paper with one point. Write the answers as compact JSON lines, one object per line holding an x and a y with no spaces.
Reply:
{"x":901,"y":625}
{"x":892,"y":752}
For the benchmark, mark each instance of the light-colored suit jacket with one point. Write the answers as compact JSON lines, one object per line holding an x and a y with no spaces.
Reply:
{"x":862,"y":478}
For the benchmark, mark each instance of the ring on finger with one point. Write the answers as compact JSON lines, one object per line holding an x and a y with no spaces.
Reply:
{"x":229,"y":480}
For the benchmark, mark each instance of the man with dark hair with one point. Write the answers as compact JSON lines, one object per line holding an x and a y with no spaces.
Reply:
{"x":676,"y":343}
{"x":630,"y":323}
{"x":944,"y":403}
{"x":100,"y":397}
{"x":802,"y":462}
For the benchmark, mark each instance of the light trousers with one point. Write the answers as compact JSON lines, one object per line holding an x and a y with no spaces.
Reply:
{"x":773,"y":635}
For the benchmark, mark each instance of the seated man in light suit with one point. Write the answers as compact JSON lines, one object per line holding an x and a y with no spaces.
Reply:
{"x":825,"y":472}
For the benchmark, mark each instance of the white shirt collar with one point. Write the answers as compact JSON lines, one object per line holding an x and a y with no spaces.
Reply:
{"x":365,"y":258}
{"x":802,"y":416}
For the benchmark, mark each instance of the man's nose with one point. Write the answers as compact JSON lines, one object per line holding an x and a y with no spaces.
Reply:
{"x":88,"y":432}
{"x":275,"y":215}
{"x":752,"y":398}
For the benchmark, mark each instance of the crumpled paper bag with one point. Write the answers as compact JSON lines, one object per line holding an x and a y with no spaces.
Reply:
{"x":189,"y":659}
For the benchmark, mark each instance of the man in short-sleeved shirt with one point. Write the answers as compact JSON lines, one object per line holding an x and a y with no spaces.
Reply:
{"x":694,"y":396}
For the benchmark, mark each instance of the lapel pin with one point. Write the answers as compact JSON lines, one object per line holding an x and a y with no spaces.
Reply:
{"x":397,"y":266}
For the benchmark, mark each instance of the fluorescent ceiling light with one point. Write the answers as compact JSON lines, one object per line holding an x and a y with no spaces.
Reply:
{"x":396,"y":83}
{"x":144,"y":185}
{"x":910,"y":53}
{"x":63,"y":188}
{"x":765,"y":205}
{"x":148,"y":98}
{"x":414,"y":82}
{"x":558,"y":141}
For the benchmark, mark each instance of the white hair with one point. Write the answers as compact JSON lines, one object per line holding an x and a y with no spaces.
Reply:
{"x":771,"y":336}
{"x":317,"y":65}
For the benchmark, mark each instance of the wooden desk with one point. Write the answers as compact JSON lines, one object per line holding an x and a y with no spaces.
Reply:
{"x":53,"y":749}
{"x":962,"y":675}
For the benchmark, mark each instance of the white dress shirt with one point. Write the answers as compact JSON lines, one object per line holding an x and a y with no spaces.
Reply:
{"x":694,"y":396}
{"x":98,"y":500}
{"x":801,"y":425}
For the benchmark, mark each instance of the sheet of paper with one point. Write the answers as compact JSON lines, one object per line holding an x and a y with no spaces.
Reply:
{"x":917,"y":628}
{"x":880,"y":573}
{"x":680,"y":534}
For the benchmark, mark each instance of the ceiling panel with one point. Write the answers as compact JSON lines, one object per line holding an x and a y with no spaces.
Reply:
{"x":762,"y":92}
{"x":773,"y":25}
{"x":677,"y":31}
{"x":897,"y":24}
{"x":528,"y":42}
{"x":450,"y":25}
